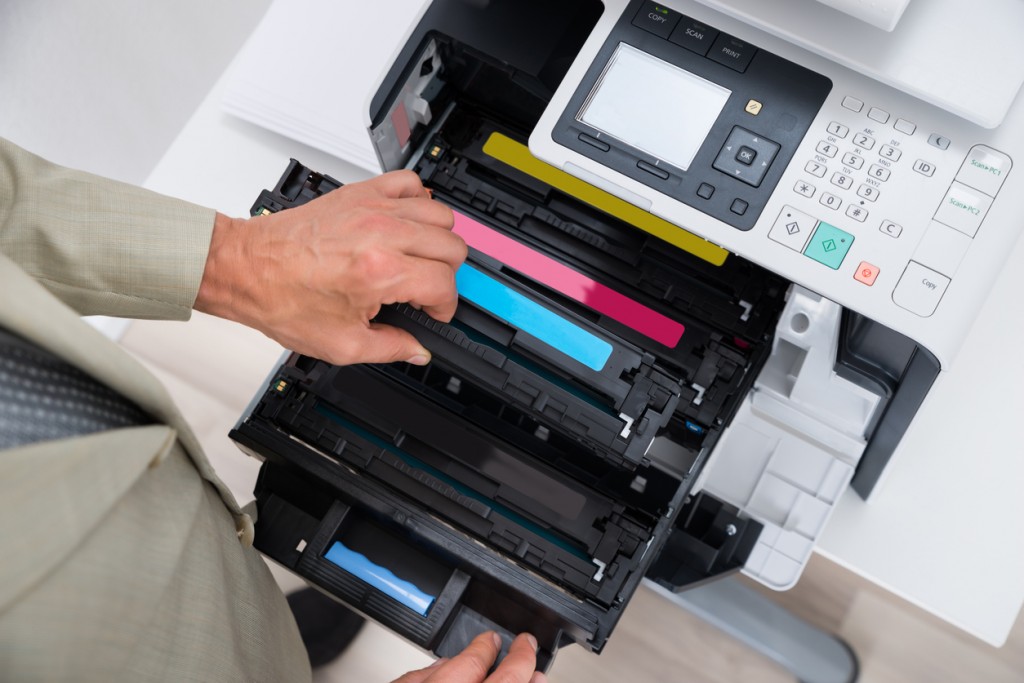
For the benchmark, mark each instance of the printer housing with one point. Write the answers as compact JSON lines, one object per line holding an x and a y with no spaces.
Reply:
{"x":510,"y":485}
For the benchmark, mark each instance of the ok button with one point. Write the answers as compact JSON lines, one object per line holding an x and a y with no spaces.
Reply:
{"x":746,"y":155}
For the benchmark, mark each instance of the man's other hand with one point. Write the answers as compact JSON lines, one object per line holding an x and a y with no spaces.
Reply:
{"x":472,"y":664}
{"x":313,"y":277}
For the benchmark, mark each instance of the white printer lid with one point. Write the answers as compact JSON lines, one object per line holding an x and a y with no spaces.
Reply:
{"x":962,"y":57}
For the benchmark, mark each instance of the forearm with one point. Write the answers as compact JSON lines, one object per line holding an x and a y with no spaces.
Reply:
{"x":221,"y":292}
{"x":101,"y":246}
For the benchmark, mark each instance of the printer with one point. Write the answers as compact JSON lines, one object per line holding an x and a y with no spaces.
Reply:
{"x":717,"y":263}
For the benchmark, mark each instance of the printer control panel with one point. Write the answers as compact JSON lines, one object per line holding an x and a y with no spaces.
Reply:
{"x":876,"y":200}
{"x":692,"y":112}
{"x":865,"y":166}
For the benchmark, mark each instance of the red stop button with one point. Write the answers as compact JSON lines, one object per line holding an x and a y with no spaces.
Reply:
{"x":866,"y":273}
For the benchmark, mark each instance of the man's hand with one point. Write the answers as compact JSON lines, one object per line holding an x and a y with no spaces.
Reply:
{"x":472,"y":664}
{"x":314,"y":276}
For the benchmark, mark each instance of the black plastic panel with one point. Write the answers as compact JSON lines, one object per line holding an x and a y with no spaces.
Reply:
{"x":787,"y":97}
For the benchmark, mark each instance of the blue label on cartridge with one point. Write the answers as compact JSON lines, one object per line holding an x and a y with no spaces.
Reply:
{"x":380,"y":578}
{"x":532,"y":318}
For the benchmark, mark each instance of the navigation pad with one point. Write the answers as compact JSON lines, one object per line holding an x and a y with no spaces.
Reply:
{"x":746,"y":156}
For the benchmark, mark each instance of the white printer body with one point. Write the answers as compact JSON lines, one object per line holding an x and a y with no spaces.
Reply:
{"x":817,"y":237}
{"x":919,"y":192}
{"x":888,"y":197}
{"x":937,"y":220}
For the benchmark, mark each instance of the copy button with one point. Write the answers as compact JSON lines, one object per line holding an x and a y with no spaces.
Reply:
{"x":920,"y":289}
{"x":657,"y":19}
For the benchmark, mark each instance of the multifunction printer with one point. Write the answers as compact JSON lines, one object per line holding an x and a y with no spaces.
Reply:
{"x":712,"y":276}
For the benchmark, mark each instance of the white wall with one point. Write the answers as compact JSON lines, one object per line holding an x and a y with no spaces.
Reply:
{"x":106,"y":85}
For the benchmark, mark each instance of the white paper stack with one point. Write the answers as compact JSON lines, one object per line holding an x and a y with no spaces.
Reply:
{"x":309,"y":69}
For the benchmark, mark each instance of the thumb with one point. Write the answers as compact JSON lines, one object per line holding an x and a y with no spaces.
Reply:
{"x":387,"y":344}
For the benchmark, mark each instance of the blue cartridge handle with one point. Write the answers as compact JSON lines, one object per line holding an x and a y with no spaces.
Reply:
{"x":380,"y":578}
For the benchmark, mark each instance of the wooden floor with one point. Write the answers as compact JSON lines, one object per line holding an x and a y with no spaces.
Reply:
{"x":213,"y":368}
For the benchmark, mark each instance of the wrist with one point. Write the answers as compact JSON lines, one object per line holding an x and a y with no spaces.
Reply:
{"x":226,"y":271}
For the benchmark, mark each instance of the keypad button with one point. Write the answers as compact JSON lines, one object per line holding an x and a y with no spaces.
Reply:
{"x":924,"y":168}
{"x":864,"y":141}
{"x":694,"y":36}
{"x":815,"y":169}
{"x":838,"y":129}
{"x":827,"y":148}
{"x":984,"y":169}
{"x":891,"y":229}
{"x":963,"y":208}
{"x":857,"y":213}
{"x":831,"y":201}
{"x":705,"y":191}
{"x":879,"y":172}
{"x":594,"y":142}
{"x":904,"y":126}
{"x":806,"y":189}
{"x":853,"y":161}
{"x":652,"y":169}
{"x":876,"y":114}
{"x":657,"y":19}
{"x":732,"y":52}
{"x":868,"y":192}
{"x":842,"y":180}
{"x":793,"y":228}
{"x":866,"y":273}
{"x":739,"y":207}
{"x":920,"y":289}
{"x":890,"y":153}
{"x":852,"y":103}
{"x":829,"y":245}
{"x":936,"y":140}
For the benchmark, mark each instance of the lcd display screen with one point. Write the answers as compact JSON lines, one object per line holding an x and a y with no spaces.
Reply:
{"x":654,"y":106}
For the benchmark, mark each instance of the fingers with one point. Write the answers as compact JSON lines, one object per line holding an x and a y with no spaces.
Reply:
{"x":472,"y":664}
{"x":425,"y":211}
{"x":429,"y":285}
{"x":398,"y":185}
{"x":420,"y":675}
{"x":430,"y":242}
{"x":386,"y":344}
{"x":520,"y":662}
{"x":422,"y":240}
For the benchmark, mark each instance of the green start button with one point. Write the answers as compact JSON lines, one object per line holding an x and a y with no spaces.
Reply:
{"x":829,"y":245}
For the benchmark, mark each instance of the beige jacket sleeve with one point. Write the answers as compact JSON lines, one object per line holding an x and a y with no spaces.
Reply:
{"x":102,"y":246}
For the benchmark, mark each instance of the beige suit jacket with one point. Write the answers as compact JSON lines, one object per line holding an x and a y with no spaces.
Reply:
{"x":122,"y":555}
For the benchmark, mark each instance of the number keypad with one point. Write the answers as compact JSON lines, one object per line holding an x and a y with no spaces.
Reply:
{"x":861,"y":161}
